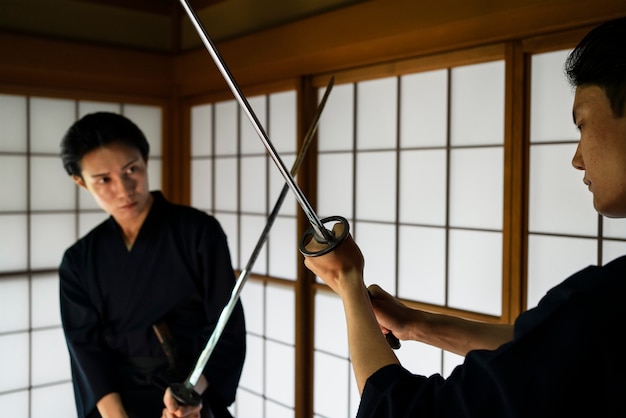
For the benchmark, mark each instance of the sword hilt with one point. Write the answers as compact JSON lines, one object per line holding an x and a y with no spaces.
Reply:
{"x":311,"y":233}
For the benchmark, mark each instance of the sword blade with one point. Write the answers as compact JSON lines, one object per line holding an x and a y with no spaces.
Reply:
{"x":321,"y":233}
{"x":195,"y":374}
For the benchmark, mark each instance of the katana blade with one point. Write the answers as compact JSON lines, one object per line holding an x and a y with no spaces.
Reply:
{"x":185,"y":392}
{"x":321,"y":234}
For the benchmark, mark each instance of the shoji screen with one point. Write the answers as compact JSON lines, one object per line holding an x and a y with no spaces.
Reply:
{"x":415,"y":162}
{"x":565,"y":232}
{"x":233,"y":179}
{"x":42,"y":213}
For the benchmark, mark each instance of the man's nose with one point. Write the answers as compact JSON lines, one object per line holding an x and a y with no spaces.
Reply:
{"x":577,"y":160}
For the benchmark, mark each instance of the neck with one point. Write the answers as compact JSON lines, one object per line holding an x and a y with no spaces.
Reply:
{"x":130,"y":229}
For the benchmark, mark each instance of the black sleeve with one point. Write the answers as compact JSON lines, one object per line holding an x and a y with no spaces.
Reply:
{"x":90,"y":364}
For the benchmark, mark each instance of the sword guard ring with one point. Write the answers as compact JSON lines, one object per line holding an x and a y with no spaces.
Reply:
{"x":310,"y":234}
{"x":185,"y":394}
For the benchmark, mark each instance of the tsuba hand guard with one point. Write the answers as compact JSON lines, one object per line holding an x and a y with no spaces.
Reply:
{"x":310,"y":234}
{"x":185,"y":395}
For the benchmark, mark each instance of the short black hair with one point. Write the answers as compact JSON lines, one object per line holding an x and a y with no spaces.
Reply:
{"x":96,"y":130}
{"x":600,"y":60}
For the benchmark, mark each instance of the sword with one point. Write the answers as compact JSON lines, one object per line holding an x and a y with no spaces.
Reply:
{"x":317,"y":230}
{"x":185,"y":392}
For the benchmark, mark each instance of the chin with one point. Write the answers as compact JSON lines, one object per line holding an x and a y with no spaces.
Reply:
{"x":615,"y":213}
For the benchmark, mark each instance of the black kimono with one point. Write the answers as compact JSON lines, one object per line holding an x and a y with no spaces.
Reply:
{"x":566,"y":360}
{"x":177,"y":274}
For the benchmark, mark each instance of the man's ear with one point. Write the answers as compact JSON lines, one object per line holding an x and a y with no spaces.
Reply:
{"x":79,"y":181}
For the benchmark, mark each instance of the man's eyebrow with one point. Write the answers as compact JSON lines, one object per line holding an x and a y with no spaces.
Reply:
{"x":99,"y":175}
{"x":131,"y":162}
{"x":574,"y":116}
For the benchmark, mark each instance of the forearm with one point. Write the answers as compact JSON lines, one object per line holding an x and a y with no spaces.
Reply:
{"x":369,"y":351}
{"x":110,"y":406}
{"x":459,"y":335}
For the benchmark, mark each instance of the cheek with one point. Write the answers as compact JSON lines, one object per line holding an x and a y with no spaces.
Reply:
{"x":101,"y":196}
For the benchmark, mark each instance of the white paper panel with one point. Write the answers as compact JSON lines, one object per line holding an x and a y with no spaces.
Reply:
{"x":226,"y":180}
{"x":14,"y":304}
{"x":334,"y":190}
{"x":149,"y":120}
{"x":331,"y":377}
{"x":252,"y":298}
{"x":88,"y":221}
{"x":14,"y":361}
{"x":57,"y":398}
{"x":336,"y":127}
{"x":475,"y":271}
{"x":50,"y":358}
{"x":13,"y":183}
{"x":50,"y":236}
{"x":281,"y":313}
{"x":253,"y":184}
{"x":331,"y":333}
{"x":559,"y":201}
{"x":377,"y":109}
{"x":551,"y":99}
{"x":13,"y":132}
{"x":155,"y":168}
{"x":424,"y":109}
{"x":201,"y":183}
{"x":231,"y":229}
{"x":420,"y":358}
{"x":423,"y":187}
{"x":279,"y":380}
{"x":277,"y":182}
{"x":250,"y":141}
{"x":202,"y":130}
{"x":612,"y":250}
{"x":226,"y":127}
{"x":477,"y":104}
{"x":355,"y":396}
{"x":253,"y":370}
{"x":251,"y":229}
{"x":45,"y":311}
{"x":376,"y":186}
{"x":553,"y":259}
{"x":282,"y":121}
{"x":86,"y":107}
{"x":248,"y":405}
{"x":378,"y":245}
{"x":49,"y":121}
{"x":15,"y":404}
{"x":422,"y":264}
{"x":450,"y":361}
{"x":614,"y":227}
{"x":476,"y":187}
{"x":50,"y":186}
{"x":283,"y":245}
{"x":13,"y":244}
{"x":276,"y":410}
